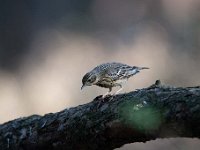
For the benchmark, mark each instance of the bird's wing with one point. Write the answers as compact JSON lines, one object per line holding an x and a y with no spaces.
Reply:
{"x":120,"y":71}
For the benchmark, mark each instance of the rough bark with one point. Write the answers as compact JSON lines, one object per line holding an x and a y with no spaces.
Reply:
{"x":155,"y":112}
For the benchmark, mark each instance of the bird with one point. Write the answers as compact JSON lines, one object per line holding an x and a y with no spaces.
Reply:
{"x":109,"y":75}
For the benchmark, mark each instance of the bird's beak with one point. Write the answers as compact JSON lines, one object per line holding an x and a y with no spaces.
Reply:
{"x":82,"y":87}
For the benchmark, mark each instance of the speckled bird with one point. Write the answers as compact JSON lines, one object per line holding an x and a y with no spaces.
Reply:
{"x":109,"y":75}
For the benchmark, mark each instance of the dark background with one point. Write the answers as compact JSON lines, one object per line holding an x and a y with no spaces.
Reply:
{"x":21,"y":21}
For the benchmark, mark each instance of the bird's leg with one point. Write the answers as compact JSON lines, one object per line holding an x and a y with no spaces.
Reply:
{"x":107,"y":93}
{"x":121,"y":88}
{"x":103,"y":96}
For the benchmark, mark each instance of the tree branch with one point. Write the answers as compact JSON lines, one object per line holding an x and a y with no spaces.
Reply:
{"x":155,"y":112}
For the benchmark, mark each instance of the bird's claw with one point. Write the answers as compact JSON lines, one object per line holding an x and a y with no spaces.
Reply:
{"x":106,"y":96}
{"x":98,"y":98}
{"x":103,"y":99}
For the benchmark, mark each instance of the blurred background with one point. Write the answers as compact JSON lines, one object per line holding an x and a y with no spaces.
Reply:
{"x":47,"y":46}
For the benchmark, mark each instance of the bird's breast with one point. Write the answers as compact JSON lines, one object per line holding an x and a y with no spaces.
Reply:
{"x":105,"y":82}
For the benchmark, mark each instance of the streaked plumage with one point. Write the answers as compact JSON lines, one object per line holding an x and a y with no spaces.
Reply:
{"x":110,"y":75}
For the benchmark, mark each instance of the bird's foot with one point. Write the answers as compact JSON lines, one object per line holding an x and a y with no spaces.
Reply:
{"x":98,"y":98}
{"x":106,"y":96}
{"x":102,"y":99}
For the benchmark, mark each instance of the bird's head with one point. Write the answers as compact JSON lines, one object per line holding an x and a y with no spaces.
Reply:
{"x":88,"y":79}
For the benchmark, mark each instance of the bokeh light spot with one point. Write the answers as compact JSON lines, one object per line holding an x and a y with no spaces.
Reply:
{"x":141,"y":117}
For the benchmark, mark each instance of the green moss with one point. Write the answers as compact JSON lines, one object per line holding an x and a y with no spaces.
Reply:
{"x":140,"y":116}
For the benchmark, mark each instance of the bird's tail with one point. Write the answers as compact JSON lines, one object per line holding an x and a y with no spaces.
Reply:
{"x":141,"y":68}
